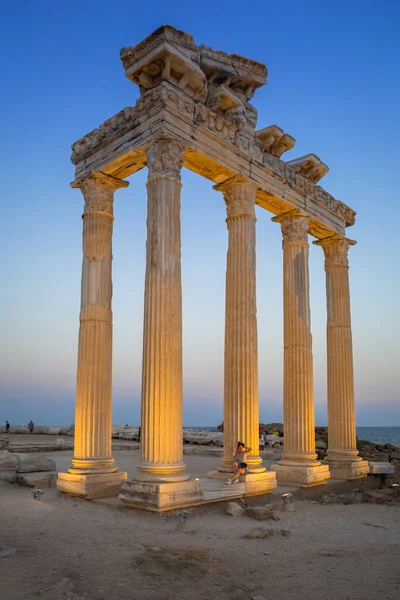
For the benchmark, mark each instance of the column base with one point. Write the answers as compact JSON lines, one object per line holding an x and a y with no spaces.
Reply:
{"x":301,"y":475}
{"x":160,"y":496}
{"x":101,"y":485}
{"x":350,"y":469}
{"x":256,"y":484}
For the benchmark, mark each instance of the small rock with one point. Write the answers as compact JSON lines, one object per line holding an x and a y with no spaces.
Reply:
{"x":234,"y":509}
{"x":261,"y":513}
{"x":35,"y":464}
{"x":259,"y":534}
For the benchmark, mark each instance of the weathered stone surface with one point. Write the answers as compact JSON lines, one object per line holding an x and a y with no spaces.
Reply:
{"x":92,"y":443}
{"x":8,"y":461}
{"x":129,"y":433}
{"x":342,"y":455}
{"x":209,"y":438}
{"x":212,"y":89}
{"x":298,"y":464}
{"x":91,"y":486}
{"x":160,"y":497}
{"x":381,"y":468}
{"x":234,"y":509}
{"x":321,"y":445}
{"x":33,"y":464}
{"x":19,"y":429}
{"x":241,"y":363}
{"x":4,"y":442}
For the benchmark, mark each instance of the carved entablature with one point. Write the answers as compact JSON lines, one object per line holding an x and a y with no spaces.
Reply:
{"x":310,"y":166}
{"x":208,"y":91}
{"x":166,"y":55}
{"x":232,"y":81}
{"x":106,"y":133}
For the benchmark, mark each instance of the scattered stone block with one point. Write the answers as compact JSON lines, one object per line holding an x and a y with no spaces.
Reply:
{"x":8,"y":461}
{"x":4,"y":442}
{"x":381,"y":468}
{"x":35,"y":464}
{"x":235,"y":510}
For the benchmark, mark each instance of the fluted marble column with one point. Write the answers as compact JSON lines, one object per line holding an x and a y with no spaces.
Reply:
{"x":298,"y":465}
{"x":241,"y":351}
{"x":162,"y":482}
{"x":343,"y":459}
{"x":93,"y":412}
{"x":162,"y":335}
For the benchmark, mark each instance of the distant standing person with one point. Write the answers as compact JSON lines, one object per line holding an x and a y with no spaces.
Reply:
{"x":7,"y":427}
{"x":139,"y":432}
{"x":31,"y":426}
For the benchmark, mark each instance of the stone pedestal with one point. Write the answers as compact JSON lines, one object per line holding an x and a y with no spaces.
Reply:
{"x":93,"y":473}
{"x":160,"y":497}
{"x":343,"y":459}
{"x":241,"y":420}
{"x":161,"y":482}
{"x":298,"y":465}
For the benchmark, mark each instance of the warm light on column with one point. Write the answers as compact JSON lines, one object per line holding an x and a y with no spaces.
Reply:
{"x":241,"y":420}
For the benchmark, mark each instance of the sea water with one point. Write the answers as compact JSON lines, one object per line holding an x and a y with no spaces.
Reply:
{"x":379,"y":435}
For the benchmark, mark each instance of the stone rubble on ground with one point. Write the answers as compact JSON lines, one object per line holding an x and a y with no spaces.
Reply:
{"x":261,"y":513}
{"x":8,"y":461}
{"x":234,"y":509}
{"x":36,"y":464}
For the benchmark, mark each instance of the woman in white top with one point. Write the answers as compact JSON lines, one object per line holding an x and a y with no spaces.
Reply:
{"x":239,"y":462}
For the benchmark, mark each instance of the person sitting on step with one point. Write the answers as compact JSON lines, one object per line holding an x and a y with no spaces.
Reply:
{"x":239,"y":462}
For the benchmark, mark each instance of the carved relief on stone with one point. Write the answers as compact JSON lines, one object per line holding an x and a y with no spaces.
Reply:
{"x":310,"y":166}
{"x":214,"y":122}
{"x":239,"y":195}
{"x":165,"y":159}
{"x":294,"y":225}
{"x":347,"y":213}
{"x":335,"y":249}
{"x":98,"y":190}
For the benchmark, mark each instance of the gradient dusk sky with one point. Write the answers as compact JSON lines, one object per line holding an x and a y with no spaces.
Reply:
{"x":333,"y":84}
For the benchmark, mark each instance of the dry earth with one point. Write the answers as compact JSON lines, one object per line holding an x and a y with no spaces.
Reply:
{"x":65,"y":548}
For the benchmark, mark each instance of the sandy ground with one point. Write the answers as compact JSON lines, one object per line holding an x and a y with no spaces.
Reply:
{"x":66,"y":548}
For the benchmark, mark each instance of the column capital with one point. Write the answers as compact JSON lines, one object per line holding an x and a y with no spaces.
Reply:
{"x":98,"y":215}
{"x":239,"y":195}
{"x":294,"y":225}
{"x":98,"y":190}
{"x":335,"y":249}
{"x":165,"y":159}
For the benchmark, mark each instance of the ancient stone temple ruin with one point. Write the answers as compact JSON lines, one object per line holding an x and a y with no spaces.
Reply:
{"x":195,"y":111}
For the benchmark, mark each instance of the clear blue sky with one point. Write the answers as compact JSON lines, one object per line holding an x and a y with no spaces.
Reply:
{"x":333,"y":84}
